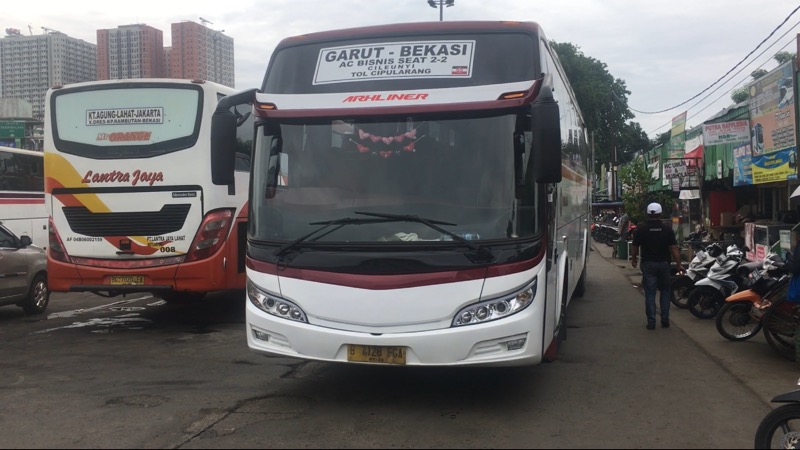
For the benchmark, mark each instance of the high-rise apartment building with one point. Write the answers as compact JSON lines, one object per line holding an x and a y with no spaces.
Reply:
{"x":200,"y":52}
{"x":29,"y":65}
{"x":130,"y":51}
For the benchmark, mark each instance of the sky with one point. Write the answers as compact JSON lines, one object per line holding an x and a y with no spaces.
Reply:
{"x":666,"y":52}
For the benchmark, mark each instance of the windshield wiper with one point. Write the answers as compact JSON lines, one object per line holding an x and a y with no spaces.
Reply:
{"x":333,"y":224}
{"x":435,"y":225}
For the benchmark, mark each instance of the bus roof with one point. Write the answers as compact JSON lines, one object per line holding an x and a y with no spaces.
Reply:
{"x":144,"y":81}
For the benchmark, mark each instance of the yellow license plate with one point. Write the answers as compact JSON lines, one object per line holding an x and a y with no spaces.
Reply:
{"x":376,"y":354}
{"x":128,"y":280}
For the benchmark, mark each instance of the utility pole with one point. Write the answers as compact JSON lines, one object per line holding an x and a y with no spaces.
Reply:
{"x":441,"y":4}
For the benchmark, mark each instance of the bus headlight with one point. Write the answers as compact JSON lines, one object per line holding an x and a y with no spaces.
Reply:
{"x":274,"y":305}
{"x":489,"y":310}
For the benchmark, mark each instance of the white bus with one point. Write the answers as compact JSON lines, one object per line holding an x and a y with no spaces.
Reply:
{"x":419,"y":196}
{"x":22,"y":207}
{"x":129,"y":193}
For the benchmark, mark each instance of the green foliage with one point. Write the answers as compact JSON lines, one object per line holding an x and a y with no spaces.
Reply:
{"x":758,"y":73}
{"x":636,"y":178}
{"x":603,"y":101}
{"x":782,"y":57}
{"x":741,"y":94}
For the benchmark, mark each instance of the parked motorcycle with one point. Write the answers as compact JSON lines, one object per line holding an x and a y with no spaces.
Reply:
{"x":725,"y":277}
{"x":604,"y":233}
{"x":704,"y":258}
{"x":781,"y":427}
{"x":780,"y":321}
{"x":739,"y":318}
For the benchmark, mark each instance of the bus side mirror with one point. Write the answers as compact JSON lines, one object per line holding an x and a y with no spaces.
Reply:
{"x":546,"y":145}
{"x":223,"y":143}
{"x":223,"y":136}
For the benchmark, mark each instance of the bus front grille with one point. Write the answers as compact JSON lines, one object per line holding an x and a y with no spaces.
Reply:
{"x":169,"y":219}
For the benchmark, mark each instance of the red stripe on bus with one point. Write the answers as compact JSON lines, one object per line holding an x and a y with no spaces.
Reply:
{"x":21,"y":201}
{"x":383,"y":282}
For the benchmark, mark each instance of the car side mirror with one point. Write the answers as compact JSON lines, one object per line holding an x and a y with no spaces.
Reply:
{"x":25,"y":241}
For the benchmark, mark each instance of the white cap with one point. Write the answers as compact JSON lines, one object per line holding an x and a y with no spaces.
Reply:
{"x":653,"y":209}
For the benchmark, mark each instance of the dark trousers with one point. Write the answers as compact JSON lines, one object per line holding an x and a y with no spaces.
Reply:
{"x":656,"y":279}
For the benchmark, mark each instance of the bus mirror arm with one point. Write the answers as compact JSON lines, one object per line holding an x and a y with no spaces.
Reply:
{"x":519,"y":152}
{"x":241,"y":118}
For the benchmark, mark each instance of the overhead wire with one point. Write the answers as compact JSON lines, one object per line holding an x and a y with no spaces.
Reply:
{"x":741,"y":83}
{"x":726,"y":73}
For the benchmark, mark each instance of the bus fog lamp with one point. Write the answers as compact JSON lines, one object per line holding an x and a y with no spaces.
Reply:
{"x":515,"y":344}
{"x":498,"y":308}
{"x":260,"y":335}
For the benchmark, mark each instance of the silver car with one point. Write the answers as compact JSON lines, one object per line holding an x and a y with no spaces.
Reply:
{"x":23,"y":273}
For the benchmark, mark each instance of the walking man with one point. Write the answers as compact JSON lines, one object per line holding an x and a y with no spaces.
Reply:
{"x":658,"y":245}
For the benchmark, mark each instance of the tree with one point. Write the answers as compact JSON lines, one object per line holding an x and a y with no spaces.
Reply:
{"x":603,"y":101}
{"x":758,"y":73}
{"x":782,"y":57}
{"x":741,"y":94}
{"x":636,"y":179}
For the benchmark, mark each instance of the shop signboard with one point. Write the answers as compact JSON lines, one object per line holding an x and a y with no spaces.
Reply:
{"x":734,"y":132}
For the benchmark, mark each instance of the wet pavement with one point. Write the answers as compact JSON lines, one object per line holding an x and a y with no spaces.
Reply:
{"x":753,"y":362}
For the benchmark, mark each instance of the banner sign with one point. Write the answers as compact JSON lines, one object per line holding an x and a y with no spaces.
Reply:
{"x":742,"y":160}
{"x":678,"y":135}
{"x":726,"y":132}
{"x":773,"y":166}
{"x":772,"y":135}
{"x":654,"y":167}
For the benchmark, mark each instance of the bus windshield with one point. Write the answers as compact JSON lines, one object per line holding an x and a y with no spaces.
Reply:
{"x":126,"y":122}
{"x":457,"y":169}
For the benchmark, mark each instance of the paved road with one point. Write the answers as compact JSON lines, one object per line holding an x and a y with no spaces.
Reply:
{"x":137,"y":373}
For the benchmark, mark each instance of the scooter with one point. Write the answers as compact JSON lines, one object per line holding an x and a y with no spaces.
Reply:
{"x":704,"y":258}
{"x":739,"y":318}
{"x":727,"y":276}
{"x":781,"y":427}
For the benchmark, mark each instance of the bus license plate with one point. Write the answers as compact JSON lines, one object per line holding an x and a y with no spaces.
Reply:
{"x":128,"y":280}
{"x":376,"y":354}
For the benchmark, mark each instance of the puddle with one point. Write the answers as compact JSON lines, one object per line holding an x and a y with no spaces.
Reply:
{"x":110,"y":306}
{"x":107,"y":324}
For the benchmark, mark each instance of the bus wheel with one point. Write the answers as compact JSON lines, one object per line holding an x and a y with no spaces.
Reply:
{"x":183,"y":297}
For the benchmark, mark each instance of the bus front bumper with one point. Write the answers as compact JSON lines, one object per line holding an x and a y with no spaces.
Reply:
{"x":474,"y":345}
